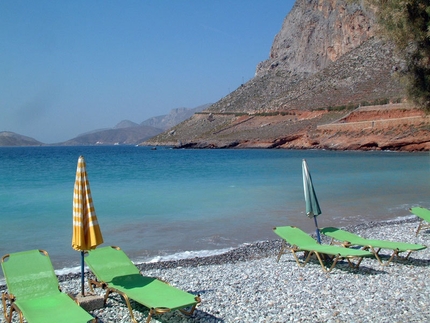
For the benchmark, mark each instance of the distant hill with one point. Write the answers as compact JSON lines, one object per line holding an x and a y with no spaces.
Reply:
{"x":117,"y":136}
{"x":8,"y":138}
{"x":128,"y":132}
{"x":175,"y":116}
{"x":127,"y":124}
{"x":125,"y":132}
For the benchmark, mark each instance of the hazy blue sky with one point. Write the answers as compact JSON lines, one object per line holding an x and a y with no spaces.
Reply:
{"x":67,"y":67}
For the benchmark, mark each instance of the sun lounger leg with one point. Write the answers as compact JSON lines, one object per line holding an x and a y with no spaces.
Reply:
{"x":110,"y":290}
{"x":12,"y":308}
{"x":282,"y":251}
{"x":351,"y":263}
{"x":393,"y":255}
{"x":102,"y":285}
{"x":149,"y":318}
{"x":16,"y":309}
{"x":294,"y":251}
{"x":90,"y":285}
{"x":396,"y":254}
{"x":192,"y":309}
{"x":419,"y":227}
{"x":390,"y":259}
{"x":375,"y":253}
{"x":407,"y":256}
{"x":422,"y":225}
{"x":323,"y":266}
{"x":3,"y":299}
{"x":127,"y":301}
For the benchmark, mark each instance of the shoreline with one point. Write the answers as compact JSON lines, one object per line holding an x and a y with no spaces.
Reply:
{"x":246,"y":284}
{"x":245,"y":252}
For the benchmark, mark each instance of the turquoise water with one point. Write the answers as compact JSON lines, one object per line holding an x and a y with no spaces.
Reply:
{"x":167,"y":203}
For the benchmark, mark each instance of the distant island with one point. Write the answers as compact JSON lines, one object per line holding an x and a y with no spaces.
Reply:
{"x":124,"y":133}
{"x":8,"y":138}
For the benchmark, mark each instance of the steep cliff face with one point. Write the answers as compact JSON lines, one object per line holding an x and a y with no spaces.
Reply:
{"x":325,"y":62}
{"x":314,"y":36}
{"x":316,"y":33}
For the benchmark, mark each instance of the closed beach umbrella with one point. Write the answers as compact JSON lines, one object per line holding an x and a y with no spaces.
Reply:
{"x":312,"y":205}
{"x":86,"y":230}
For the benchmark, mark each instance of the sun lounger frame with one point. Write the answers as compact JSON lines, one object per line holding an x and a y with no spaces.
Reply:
{"x":9,"y":300}
{"x":424,"y":215}
{"x":320,"y":256}
{"x":152,"y":311}
{"x":323,"y":253}
{"x":347,"y":239}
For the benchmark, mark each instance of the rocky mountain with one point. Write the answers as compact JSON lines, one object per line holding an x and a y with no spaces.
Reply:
{"x":8,"y":138}
{"x":326,"y":62}
{"x":317,"y":33}
{"x":173,"y":118}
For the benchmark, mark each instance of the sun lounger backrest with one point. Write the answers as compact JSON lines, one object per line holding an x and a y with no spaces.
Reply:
{"x":108,"y":262}
{"x":422,"y":213}
{"x":354,"y":239}
{"x":295,"y":236}
{"x":29,"y":274}
{"x":343,"y":235}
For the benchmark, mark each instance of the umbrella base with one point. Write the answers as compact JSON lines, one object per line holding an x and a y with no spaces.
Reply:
{"x":89,"y":302}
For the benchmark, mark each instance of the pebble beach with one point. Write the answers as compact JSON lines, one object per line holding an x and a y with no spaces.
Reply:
{"x":247,"y":284}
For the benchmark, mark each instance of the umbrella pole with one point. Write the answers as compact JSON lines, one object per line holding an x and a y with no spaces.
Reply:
{"x":317,"y":231}
{"x":82,"y":274}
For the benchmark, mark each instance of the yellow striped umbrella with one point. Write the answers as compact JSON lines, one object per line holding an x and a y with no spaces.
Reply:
{"x":86,"y":230}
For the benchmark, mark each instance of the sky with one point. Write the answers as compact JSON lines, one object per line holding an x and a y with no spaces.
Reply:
{"x":69,"y":67}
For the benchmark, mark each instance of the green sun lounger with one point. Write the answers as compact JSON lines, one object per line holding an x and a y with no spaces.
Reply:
{"x":348,"y":239}
{"x":116,"y":273}
{"x":33,"y":291}
{"x":424,"y":215}
{"x":301,"y":241}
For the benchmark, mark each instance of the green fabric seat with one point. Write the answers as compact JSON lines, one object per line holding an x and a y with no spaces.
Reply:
{"x":33,"y":291}
{"x":424,"y":215}
{"x":348,"y":239}
{"x":301,"y":241}
{"x":116,"y":273}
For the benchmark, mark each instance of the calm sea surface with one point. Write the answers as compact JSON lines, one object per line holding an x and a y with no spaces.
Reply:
{"x":166,"y":203}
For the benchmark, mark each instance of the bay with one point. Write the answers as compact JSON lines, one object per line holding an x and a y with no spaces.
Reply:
{"x":169,"y":203}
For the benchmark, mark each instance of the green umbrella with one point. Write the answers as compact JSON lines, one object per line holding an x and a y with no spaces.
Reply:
{"x":312,"y":205}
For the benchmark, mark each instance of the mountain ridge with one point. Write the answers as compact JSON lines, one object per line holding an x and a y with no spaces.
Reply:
{"x":326,"y":61}
{"x":125,"y":132}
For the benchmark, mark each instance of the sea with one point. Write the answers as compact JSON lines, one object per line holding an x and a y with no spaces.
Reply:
{"x":166,"y":204}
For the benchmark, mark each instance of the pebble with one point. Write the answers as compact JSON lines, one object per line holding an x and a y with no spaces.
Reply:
{"x":248,"y":285}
